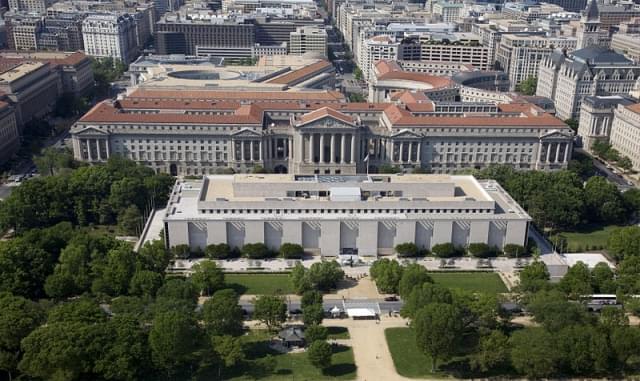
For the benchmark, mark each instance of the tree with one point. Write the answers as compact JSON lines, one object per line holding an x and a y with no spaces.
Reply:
{"x":624,"y":242}
{"x":81,"y":310}
{"x":256,"y":251}
{"x":357,"y":73}
{"x":228,"y":349}
{"x":325,"y":275}
{"x":127,"y":353}
{"x":130,"y":221}
{"x":178,"y":288}
{"x":573,"y":124}
{"x":207,"y":277}
{"x":534,"y":353}
{"x":631,"y":199}
{"x":319,"y":353}
{"x":222,"y":315}
{"x":386,"y":273}
{"x":513,"y":250}
{"x":554,"y":311}
{"x":602,"y":279}
{"x":423,"y":295}
{"x":219,"y":251}
{"x":63,"y":351}
{"x":438,"y":328}
{"x":145,"y":283}
{"x":116,"y":273}
{"x":173,"y":339}
{"x":52,"y":161}
{"x":299,"y":279}
{"x":628,"y":270}
{"x":24,"y":268}
{"x":315,"y":332}
{"x":603,"y":201}
{"x":154,"y":257}
{"x":291,"y":251}
{"x":528,"y":86}
{"x":534,"y":277}
{"x":584,"y":349}
{"x":311,"y":297}
{"x":480,"y":250}
{"x":312,"y":314}
{"x":577,"y":281}
{"x":444,"y":250}
{"x":181,"y":251}
{"x":413,"y":275}
{"x":625,"y":343}
{"x":625,"y":163}
{"x":493,"y":352}
{"x":18,"y":318}
{"x":270,"y":310}
{"x":407,"y":249}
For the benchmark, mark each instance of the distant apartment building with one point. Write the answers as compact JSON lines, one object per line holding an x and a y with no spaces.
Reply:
{"x":39,"y":6}
{"x":625,"y":132}
{"x":308,"y":39}
{"x":463,"y":48}
{"x":569,"y":5}
{"x":447,"y":11}
{"x":520,"y":55}
{"x":627,"y":44}
{"x":110,"y":35}
{"x":529,"y":11}
{"x":29,"y":32}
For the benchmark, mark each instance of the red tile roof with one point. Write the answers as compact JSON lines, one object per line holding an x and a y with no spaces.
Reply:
{"x":324,"y":112}
{"x":391,"y":70}
{"x":290,"y":78}
{"x":222,"y":95}
{"x":634,"y":108}
{"x":107,"y":112}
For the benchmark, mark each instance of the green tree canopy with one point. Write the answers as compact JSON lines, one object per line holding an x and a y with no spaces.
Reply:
{"x":270,"y":310}
{"x":207,"y":277}
{"x":222,"y":315}
{"x":439,"y":330}
{"x":319,"y":353}
{"x":413,"y":275}
{"x":173,"y":339}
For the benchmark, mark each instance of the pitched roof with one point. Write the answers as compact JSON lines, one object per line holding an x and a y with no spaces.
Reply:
{"x":110,"y":112}
{"x":325,"y":112}
{"x":225,"y":95}
{"x":292,"y":77}
{"x":634,"y":108}
{"x":592,"y":11}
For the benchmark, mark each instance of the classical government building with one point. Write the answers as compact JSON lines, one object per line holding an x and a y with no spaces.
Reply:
{"x":328,"y":214}
{"x":200,"y":132}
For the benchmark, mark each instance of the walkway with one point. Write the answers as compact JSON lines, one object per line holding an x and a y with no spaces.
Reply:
{"x":370,"y":349}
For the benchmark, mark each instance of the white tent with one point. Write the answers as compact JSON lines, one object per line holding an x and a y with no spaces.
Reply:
{"x":361,"y":312}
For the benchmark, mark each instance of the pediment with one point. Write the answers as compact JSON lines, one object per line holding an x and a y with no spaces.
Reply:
{"x":326,"y":122}
{"x":90,"y":131}
{"x":556,"y":134}
{"x":406,"y":134}
{"x":246,"y":133}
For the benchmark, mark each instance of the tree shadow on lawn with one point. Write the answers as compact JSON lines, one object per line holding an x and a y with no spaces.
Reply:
{"x":345,"y":283}
{"x":238,"y":288}
{"x":337,"y":331}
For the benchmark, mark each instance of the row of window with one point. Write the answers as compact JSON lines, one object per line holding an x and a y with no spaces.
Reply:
{"x":342,"y":211}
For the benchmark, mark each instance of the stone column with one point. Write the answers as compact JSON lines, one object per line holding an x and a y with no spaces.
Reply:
{"x":342,"y":146}
{"x":353,"y":148}
{"x":260,"y":150}
{"x":98,"y":149}
{"x":289,"y":148}
{"x":88,"y":144}
{"x":322,"y":148}
{"x":401,"y":153}
{"x":301,"y":148}
{"x":418,"y":158}
{"x":311,"y":153}
{"x":333,"y":149}
{"x":242,"y":147}
{"x":548,"y":152}
{"x":251,"y":149}
{"x":566,"y":152}
{"x":557,"y":152}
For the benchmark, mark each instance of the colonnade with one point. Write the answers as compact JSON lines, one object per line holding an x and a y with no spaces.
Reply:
{"x":552,"y":152}
{"x":242,"y":154}
{"x":92,"y":149}
{"x":336,"y":144}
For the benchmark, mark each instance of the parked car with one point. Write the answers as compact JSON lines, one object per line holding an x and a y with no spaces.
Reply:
{"x":391,"y":299}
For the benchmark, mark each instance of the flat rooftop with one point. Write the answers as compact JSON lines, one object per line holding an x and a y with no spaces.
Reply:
{"x":288,"y":191}
{"x":19,"y":71}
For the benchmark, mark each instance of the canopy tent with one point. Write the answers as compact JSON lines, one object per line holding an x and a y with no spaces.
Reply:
{"x":361,"y":313}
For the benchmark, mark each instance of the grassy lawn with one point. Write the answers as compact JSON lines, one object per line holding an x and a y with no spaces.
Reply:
{"x":407,"y":358}
{"x":268,"y":365}
{"x":338,"y":333}
{"x":587,"y":238}
{"x":472,"y":281}
{"x":259,"y":284}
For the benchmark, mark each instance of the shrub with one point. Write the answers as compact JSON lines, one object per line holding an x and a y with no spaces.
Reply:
{"x":444,"y":250}
{"x":256,"y":251}
{"x":407,"y":249}
{"x":220,"y":251}
{"x":480,"y":250}
{"x":181,"y":251}
{"x":512,"y":250}
{"x":291,"y":251}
